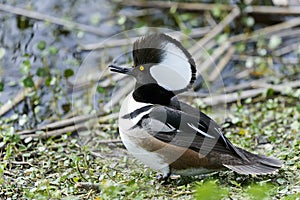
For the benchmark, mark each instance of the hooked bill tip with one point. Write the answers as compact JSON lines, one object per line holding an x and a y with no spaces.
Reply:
{"x":118,"y":69}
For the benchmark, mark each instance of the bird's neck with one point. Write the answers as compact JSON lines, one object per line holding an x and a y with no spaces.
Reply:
{"x":152,"y":93}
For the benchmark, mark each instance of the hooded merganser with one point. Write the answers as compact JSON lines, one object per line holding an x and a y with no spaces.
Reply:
{"x":167,"y":134}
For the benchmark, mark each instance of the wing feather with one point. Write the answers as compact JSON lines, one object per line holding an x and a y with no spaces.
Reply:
{"x":199,"y":133}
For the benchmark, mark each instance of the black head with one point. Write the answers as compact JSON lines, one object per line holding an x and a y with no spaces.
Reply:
{"x":162,"y":66}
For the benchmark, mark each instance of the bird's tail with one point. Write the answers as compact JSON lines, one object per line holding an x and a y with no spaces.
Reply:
{"x":258,"y":164}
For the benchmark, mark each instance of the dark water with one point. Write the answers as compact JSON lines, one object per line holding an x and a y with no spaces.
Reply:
{"x":20,"y":38}
{"x":57,"y":48}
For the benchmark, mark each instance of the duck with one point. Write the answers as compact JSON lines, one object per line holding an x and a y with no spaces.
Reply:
{"x":169,"y":135}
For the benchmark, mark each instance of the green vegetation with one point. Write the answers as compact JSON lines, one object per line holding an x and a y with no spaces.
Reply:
{"x":56,"y":167}
{"x":90,"y":162}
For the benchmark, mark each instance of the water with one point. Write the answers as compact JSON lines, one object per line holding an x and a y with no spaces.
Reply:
{"x":20,"y":38}
{"x":57,"y":48}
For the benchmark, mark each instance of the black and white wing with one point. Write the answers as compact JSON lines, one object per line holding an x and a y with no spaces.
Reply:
{"x":199,"y":133}
{"x":189,"y":128}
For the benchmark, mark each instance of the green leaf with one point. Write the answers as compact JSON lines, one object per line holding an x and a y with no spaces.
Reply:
{"x":100,"y":90}
{"x":298,"y":108}
{"x":222,"y":38}
{"x":249,"y":21}
{"x":28,"y":82}
{"x":66,"y":107}
{"x":48,"y":81}
{"x":2,"y":52}
{"x":41,"y":72}
{"x":122,"y":19}
{"x":25,"y":67}
{"x":53,"y":50}
{"x":216,"y":11}
{"x":186,"y":16}
{"x":95,"y":19}
{"x":68,"y":73}
{"x":241,"y":47}
{"x":41,"y":45}
{"x":1,"y":86}
{"x":173,"y":9}
{"x":281,"y":181}
{"x":295,"y":126}
{"x":259,"y":192}
{"x":27,"y":140}
{"x":292,"y":196}
{"x":2,"y":144}
{"x":274,"y":42}
{"x":210,"y":191}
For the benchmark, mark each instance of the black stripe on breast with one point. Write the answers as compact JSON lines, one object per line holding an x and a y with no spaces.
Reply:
{"x":136,"y":112}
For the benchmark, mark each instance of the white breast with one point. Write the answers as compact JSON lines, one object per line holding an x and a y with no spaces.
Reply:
{"x":129,"y":105}
{"x":130,"y":137}
{"x":151,"y":159}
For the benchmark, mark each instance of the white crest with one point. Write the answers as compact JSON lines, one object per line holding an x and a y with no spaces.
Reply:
{"x":174,"y":72}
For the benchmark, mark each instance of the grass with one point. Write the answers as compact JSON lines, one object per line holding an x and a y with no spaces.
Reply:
{"x":63,"y":168}
{"x":56,"y":168}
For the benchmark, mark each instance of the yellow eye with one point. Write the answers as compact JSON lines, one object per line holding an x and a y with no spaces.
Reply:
{"x":142,"y":68}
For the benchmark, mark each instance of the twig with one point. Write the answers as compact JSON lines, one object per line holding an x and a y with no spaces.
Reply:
{"x":62,"y":124}
{"x":178,"y":5}
{"x":8,"y":173}
{"x":70,"y":121}
{"x":212,"y":100}
{"x":197,"y":32}
{"x":72,"y":124}
{"x":106,"y":82}
{"x":21,"y":163}
{"x":51,"y":19}
{"x":265,"y":31}
{"x":287,"y":49}
{"x":79,"y":171}
{"x":112,"y":43}
{"x":216,"y":30}
{"x":183,"y":193}
{"x":206,"y":39}
{"x":282,"y":87}
{"x":96,"y":154}
{"x":243,"y":86}
{"x":194,"y":94}
{"x":106,"y":118}
{"x":210,"y":19}
{"x":290,"y":61}
{"x":18,"y":98}
{"x":283,"y":60}
{"x":214,"y":57}
{"x":47,"y":134}
{"x":291,"y":10}
{"x":241,"y":57}
{"x":140,"y":12}
{"x":290,"y":33}
{"x":243,"y":74}
{"x":109,"y":141}
{"x":215,"y":99}
{"x":232,"y":97}
{"x":68,"y":125}
{"x":222,"y":63}
{"x":210,"y":60}
{"x":88,"y":186}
